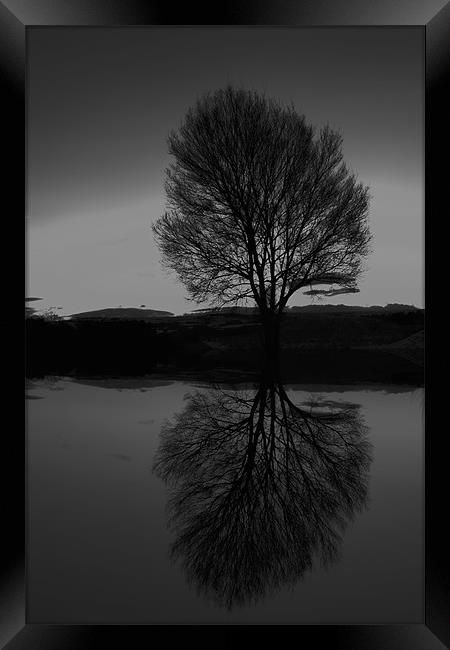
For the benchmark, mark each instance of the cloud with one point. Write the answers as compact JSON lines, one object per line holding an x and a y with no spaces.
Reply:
{"x":330,"y":292}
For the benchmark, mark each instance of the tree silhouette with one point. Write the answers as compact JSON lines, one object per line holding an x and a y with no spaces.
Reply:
{"x":260,"y":205}
{"x":259,"y":486}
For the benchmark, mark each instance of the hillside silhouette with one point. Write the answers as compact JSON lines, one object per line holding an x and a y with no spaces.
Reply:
{"x":366,"y":344}
{"x":122,"y":313}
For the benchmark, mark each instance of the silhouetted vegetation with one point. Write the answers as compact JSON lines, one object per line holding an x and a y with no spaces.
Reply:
{"x":350,"y":347}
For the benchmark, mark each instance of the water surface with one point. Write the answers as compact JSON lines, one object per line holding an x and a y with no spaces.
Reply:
{"x":110,"y":498}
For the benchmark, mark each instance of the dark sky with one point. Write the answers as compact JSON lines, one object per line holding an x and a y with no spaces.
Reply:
{"x":101,"y":102}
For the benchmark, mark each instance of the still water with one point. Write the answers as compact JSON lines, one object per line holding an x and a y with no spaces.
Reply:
{"x":155,"y":501}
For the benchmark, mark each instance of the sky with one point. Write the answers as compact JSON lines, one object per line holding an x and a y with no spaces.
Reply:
{"x":101,"y":102}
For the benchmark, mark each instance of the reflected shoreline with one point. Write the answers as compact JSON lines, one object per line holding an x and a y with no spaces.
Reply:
{"x":346,"y":367}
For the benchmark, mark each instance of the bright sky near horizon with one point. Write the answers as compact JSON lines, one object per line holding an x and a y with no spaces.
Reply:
{"x":102,"y":101}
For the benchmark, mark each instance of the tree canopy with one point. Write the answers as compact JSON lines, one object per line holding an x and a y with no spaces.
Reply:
{"x":260,"y":204}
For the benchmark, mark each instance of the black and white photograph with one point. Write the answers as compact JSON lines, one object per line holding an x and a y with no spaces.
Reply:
{"x":225,"y":326}
{"x":225,"y":268}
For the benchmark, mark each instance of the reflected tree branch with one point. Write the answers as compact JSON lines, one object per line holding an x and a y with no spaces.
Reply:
{"x":260,"y":488}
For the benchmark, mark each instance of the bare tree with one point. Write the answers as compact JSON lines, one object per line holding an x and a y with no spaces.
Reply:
{"x":260,"y":205}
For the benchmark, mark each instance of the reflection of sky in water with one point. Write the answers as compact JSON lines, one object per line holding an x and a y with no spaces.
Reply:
{"x":98,"y":547}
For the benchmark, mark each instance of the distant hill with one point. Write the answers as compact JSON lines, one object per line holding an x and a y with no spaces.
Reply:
{"x":122,"y":313}
{"x":318,"y":309}
{"x":140,"y":314}
{"x":388,"y":309}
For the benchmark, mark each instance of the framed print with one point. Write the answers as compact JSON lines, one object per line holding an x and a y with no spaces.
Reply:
{"x":227,"y":251}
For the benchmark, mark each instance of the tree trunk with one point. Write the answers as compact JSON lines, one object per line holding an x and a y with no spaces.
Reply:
{"x":271,"y":328}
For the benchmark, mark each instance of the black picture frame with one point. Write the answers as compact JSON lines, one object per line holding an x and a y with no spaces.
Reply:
{"x":15,"y":19}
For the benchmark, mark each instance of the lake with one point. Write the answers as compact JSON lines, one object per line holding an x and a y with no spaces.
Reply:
{"x":158,"y":501}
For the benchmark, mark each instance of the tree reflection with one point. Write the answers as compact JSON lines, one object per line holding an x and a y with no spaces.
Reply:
{"x":260,"y":486}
